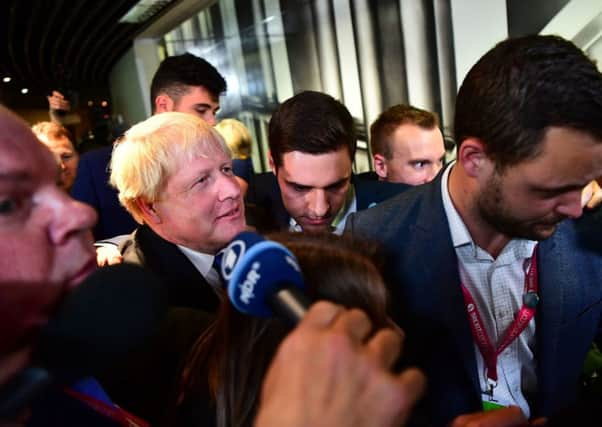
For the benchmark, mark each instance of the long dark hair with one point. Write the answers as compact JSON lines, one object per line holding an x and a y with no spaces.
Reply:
{"x":236,"y":352}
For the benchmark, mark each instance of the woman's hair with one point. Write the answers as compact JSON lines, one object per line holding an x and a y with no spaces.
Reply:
{"x":237,"y":136}
{"x":235,"y":353}
{"x":147,"y":155}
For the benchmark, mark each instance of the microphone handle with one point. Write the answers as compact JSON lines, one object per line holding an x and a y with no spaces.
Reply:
{"x":289,"y":303}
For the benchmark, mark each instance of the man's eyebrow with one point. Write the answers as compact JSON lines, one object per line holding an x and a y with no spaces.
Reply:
{"x":202,"y":105}
{"x":561,"y":189}
{"x":338,"y":183}
{"x":296,"y":184}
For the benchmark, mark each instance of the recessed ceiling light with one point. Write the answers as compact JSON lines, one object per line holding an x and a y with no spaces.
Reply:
{"x":24,"y":90}
{"x":6,"y":79}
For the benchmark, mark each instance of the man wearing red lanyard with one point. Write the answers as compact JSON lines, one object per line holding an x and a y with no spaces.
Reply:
{"x":491,"y":281}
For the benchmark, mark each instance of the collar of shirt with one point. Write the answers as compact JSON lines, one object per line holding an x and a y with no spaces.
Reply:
{"x":338,"y":224}
{"x":201,"y":261}
{"x":518,"y":248}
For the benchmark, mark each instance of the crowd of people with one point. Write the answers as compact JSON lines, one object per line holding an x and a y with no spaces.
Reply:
{"x":488,"y":269}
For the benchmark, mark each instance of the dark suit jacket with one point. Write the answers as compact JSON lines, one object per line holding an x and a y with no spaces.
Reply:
{"x":428,"y":304}
{"x":91,"y":186}
{"x":266,"y":195}
{"x":146,"y":381}
{"x":186,"y":287}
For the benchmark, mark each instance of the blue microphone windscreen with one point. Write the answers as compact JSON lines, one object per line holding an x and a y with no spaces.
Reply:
{"x":257,"y":269}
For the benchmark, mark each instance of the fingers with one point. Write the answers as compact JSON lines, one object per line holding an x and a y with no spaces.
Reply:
{"x":355,"y":324}
{"x":320,"y":315}
{"x":385,"y":347}
{"x":57,"y":101}
{"x":596,"y":196}
{"x":108,"y":255}
{"x":412,"y":386}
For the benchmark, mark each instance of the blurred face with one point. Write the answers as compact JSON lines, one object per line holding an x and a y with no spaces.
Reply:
{"x":201,"y":206}
{"x":529,"y":199}
{"x":46,"y":246}
{"x":200,"y":102}
{"x":417,"y":155}
{"x":314,"y":186}
{"x":66,"y":157}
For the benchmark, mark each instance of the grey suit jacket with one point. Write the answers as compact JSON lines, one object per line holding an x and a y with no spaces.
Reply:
{"x":427,"y":301}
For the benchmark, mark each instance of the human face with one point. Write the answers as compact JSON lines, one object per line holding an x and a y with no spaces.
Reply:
{"x":45,"y":235}
{"x":66,"y":157}
{"x":417,"y":155}
{"x":314,"y":186}
{"x":200,"y":102}
{"x":529,"y":199}
{"x":201,"y":206}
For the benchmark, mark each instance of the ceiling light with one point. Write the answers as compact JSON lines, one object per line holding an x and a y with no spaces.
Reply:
{"x":6,"y":79}
{"x":144,"y":10}
{"x":24,"y":90}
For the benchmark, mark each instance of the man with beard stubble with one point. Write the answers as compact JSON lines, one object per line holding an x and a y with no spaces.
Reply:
{"x":492,"y":282}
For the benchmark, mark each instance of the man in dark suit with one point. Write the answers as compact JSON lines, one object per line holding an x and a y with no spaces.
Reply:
{"x":174,"y":176}
{"x":182,"y":83}
{"x":493,"y":275}
{"x":312,"y":144}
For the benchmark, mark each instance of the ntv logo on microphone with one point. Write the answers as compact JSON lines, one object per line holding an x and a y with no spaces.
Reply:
{"x":248,"y":285}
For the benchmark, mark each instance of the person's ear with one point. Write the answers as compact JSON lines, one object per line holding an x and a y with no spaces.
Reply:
{"x":272,"y":164}
{"x":380,"y":166}
{"x":164,"y":103}
{"x":473,"y":157}
{"x":148,"y":211}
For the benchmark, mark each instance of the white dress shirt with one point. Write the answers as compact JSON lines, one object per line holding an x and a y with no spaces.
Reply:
{"x":497,"y":286}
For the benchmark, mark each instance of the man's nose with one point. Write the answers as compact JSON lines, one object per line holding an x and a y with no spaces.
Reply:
{"x":229,"y":188}
{"x":570,"y":205}
{"x":210,"y":118}
{"x":70,"y":218}
{"x":318,"y":203}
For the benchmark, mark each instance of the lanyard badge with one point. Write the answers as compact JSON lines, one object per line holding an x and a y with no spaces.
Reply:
{"x":523,"y":317}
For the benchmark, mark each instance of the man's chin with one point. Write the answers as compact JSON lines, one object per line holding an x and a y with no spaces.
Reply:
{"x":544,"y":231}
{"x":317,"y":228}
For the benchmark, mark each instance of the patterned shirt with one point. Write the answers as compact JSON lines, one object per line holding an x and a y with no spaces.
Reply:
{"x":497,"y":286}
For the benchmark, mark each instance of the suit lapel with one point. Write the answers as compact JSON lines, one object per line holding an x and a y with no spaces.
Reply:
{"x":187,"y":287}
{"x":437,"y":270}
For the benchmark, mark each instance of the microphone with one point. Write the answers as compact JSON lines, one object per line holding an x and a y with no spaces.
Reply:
{"x":113,"y":311}
{"x":264,"y":278}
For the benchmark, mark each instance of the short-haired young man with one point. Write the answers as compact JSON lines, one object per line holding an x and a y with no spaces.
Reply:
{"x":407,"y":145}
{"x":183,"y":83}
{"x":492,"y":279}
{"x":188,"y":84}
{"x":312,"y":144}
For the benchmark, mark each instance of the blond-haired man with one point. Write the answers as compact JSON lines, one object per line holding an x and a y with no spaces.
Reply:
{"x":174,"y":175}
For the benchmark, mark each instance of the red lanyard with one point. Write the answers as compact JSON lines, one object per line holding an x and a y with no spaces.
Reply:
{"x":518,"y":325}
{"x":115,"y":413}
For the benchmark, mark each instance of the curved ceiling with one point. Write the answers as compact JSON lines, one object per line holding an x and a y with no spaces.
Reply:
{"x":46,"y":44}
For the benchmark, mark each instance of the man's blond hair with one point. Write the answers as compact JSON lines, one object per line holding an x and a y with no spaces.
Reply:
{"x":149,"y":152}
